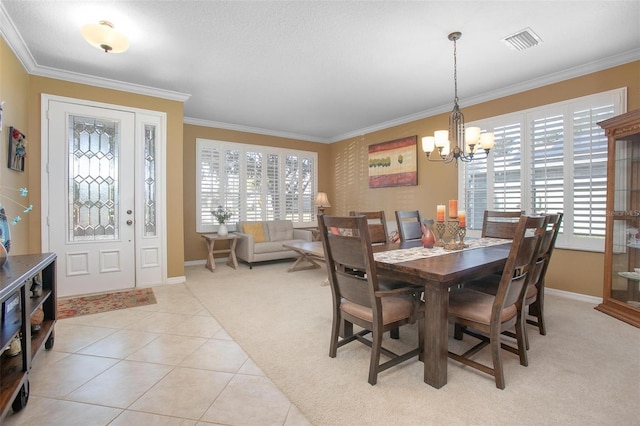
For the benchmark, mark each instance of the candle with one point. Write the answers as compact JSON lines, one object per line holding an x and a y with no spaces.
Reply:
{"x":462,"y":219}
{"x":440,"y":213}
{"x":453,"y":208}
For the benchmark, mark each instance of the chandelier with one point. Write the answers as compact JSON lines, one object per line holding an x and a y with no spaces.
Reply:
{"x":457,"y":143}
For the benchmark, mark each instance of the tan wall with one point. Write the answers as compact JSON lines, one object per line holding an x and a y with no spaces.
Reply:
{"x":437,"y":183}
{"x":195,"y":247}
{"x":14,"y":86}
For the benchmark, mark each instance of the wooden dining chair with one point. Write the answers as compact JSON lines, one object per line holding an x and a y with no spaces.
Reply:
{"x":409,"y":224}
{"x":360,"y":299}
{"x":534,"y":298}
{"x":485,"y":316}
{"x":500,"y":224}
{"x":533,"y":303}
{"x":377,"y":224}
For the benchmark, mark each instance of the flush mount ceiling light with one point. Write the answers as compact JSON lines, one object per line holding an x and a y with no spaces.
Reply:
{"x":104,"y":37}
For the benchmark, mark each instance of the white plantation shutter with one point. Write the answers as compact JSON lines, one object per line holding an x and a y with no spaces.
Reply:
{"x":209,"y":167}
{"x":507,"y":166}
{"x":547,"y":159}
{"x":291,"y":181}
{"x":547,"y":168}
{"x":254,"y":183}
{"x":230,"y":190}
{"x":273,"y":189}
{"x":475,"y":192}
{"x":590,"y":171}
{"x":253,"y":186}
{"x":307,"y":191}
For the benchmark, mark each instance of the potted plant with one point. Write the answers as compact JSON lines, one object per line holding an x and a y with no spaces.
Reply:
{"x":222,"y":216}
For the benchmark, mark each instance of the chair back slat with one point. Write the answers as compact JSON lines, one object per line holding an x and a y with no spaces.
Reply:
{"x":409,"y":224}
{"x":500,"y":224}
{"x":377,"y":225}
{"x":354,"y":288}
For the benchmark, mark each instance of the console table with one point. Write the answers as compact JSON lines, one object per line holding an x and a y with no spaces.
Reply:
{"x":231,"y":251}
{"x":17,"y":308}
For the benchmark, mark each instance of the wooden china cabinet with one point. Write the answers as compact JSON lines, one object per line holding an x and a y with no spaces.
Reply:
{"x":621,"y":291}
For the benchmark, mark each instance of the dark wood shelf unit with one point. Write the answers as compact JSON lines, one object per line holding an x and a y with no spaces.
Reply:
{"x":16,"y":278}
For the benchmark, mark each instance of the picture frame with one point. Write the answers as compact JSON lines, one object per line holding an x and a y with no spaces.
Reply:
{"x":394,"y":163}
{"x":17,"y":150}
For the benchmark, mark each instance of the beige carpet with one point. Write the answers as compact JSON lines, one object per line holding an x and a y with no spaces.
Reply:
{"x":586,"y":371}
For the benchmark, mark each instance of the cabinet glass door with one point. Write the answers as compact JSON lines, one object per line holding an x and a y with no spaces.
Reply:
{"x":625,"y":285}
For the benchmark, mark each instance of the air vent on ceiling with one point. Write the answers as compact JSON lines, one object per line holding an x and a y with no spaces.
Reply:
{"x":522,"y":39}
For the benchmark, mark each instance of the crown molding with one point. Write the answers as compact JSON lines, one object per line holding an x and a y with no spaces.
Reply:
{"x":258,"y":130}
{"x":109,"y":84}
{"x":588,"y":68}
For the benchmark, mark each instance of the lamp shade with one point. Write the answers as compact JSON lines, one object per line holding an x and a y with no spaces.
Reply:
{"x":104,"y":37}
{"x":322,"y":200}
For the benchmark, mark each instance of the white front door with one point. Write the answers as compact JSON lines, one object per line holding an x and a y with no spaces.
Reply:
{"x":91,"y":189}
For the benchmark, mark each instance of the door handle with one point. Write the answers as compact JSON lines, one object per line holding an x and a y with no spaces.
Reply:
{"x":129,"y":222}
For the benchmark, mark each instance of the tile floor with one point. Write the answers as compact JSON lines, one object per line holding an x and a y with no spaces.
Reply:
{"x":165,"y":364}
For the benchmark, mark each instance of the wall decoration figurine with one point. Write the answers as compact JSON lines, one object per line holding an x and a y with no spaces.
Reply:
{"x":17,"y":149}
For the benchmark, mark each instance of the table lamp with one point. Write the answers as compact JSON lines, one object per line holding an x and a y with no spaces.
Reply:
{"x":322,"y":201}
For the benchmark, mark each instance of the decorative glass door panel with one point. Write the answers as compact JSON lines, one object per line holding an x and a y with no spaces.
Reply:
{"x":93,"y":183}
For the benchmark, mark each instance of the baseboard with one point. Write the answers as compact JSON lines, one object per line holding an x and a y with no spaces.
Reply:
{"x":176,"y":280}
{"x":198,"y":262}
{"x":574,"y":296}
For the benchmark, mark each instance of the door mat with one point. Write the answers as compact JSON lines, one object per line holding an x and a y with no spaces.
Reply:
{"x":97,"y":303}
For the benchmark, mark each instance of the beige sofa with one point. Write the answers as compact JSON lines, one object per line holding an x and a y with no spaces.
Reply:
{"x":261,"y":241}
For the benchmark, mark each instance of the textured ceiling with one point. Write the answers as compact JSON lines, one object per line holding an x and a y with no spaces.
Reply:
{"x":321,"y":71}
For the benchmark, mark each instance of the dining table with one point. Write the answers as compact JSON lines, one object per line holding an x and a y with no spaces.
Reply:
{"x":438,"y":272}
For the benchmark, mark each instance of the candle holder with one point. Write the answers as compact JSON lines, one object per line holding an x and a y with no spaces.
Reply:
{"x":440,"y":227}
{"x":462,"y":232}
{"x":453,"y":226}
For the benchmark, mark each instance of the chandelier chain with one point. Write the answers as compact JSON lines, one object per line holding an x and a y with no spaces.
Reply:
{"x":455,"y":71}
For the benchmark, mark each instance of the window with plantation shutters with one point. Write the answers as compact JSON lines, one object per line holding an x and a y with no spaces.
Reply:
{"x":548,"y":159}
{"x":254,"y":183}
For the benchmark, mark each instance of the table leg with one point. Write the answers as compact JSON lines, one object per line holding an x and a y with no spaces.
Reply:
{"x":211,"y":263}
{"x":436,"y":336}
{"x":232,"y":260}
{"x":303,"y":258}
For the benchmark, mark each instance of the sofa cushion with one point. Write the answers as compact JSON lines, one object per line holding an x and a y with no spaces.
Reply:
{"x":280,"y":230}
{"x":268,"y":247}
{"x":257,"y":230}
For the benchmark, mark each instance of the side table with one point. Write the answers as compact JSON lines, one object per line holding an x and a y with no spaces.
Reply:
{"x":231,"y":251}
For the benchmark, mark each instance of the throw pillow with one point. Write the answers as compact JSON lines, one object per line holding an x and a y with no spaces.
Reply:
{"x":255,"y":229}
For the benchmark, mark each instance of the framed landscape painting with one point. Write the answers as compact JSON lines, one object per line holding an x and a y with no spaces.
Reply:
{"x":394,"y":163}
